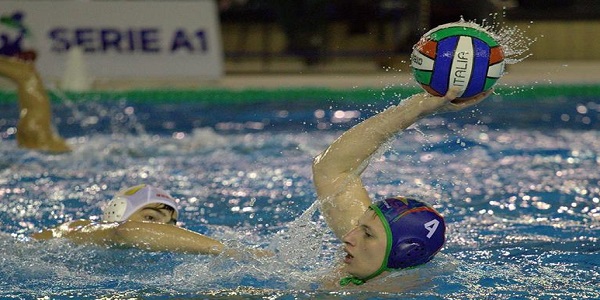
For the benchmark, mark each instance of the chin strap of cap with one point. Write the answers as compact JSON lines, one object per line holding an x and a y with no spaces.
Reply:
{"x":358,"y":281}
{"x":351,"y":279}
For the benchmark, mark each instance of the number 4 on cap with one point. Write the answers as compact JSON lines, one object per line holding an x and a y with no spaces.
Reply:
{"x":431,"y":226}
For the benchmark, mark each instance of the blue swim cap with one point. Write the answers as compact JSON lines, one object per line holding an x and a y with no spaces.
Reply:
{"x":415,"y":233}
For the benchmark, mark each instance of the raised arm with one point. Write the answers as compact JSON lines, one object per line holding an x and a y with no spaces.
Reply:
{"x":337,"y":170}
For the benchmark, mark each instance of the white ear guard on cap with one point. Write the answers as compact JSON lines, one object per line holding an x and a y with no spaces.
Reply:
{"x":129,"y":200}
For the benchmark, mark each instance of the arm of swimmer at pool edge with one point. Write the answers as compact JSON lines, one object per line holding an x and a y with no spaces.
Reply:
{"x":34,"y":129}
{"x":337,"y":170}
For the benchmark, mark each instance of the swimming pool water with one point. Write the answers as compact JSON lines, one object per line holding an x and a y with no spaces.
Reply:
{"x":517,"y":180}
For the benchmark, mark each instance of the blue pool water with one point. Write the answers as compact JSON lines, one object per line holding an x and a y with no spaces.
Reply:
{"x":517,"y":180}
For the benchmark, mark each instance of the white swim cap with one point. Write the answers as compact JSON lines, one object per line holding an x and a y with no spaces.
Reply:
{"x":129,"y":200}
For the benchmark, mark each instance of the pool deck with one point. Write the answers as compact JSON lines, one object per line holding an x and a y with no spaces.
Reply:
{"x":523,"y":73}
{"x":357,"y":75}
{"x":348,"y":75}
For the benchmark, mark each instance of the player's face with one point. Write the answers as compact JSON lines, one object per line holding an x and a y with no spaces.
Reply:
{"x":365,"y":246}
{"x":155,"y":213}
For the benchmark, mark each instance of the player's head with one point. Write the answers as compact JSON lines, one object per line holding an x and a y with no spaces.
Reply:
{"x":395,"y":233}
{"x":141,"y":203}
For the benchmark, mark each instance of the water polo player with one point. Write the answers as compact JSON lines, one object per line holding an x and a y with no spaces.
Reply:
{"x":141,"y":203}
{"x":143,"y":217}
{"x":378,"y":237}
{"x":391,"y":234}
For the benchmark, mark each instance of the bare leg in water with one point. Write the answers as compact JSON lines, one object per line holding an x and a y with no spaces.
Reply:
{"x":34,"y":129}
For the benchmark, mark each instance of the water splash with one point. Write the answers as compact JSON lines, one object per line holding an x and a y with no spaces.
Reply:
{"x":302,"y":245}
{"x":513,"y":40}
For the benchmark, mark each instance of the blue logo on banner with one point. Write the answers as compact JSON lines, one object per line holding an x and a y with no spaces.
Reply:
{"x":11,"y":41}
{"x":143,"y":40}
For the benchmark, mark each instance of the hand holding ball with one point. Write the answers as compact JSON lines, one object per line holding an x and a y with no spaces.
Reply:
{"x":457,"y":54}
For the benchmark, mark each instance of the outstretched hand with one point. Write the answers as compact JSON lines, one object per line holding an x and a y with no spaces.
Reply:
{"x":429,"y":104}
{"x":454,"y":104}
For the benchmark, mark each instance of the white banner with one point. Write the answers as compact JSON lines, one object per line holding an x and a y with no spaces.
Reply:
{"x":118,"y":39}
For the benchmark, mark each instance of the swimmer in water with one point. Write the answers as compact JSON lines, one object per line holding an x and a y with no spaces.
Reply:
{"x":386,"y":235}
{"x":379,"y":237}
{"x":34,"y":129}
{"x":142,"y":217}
